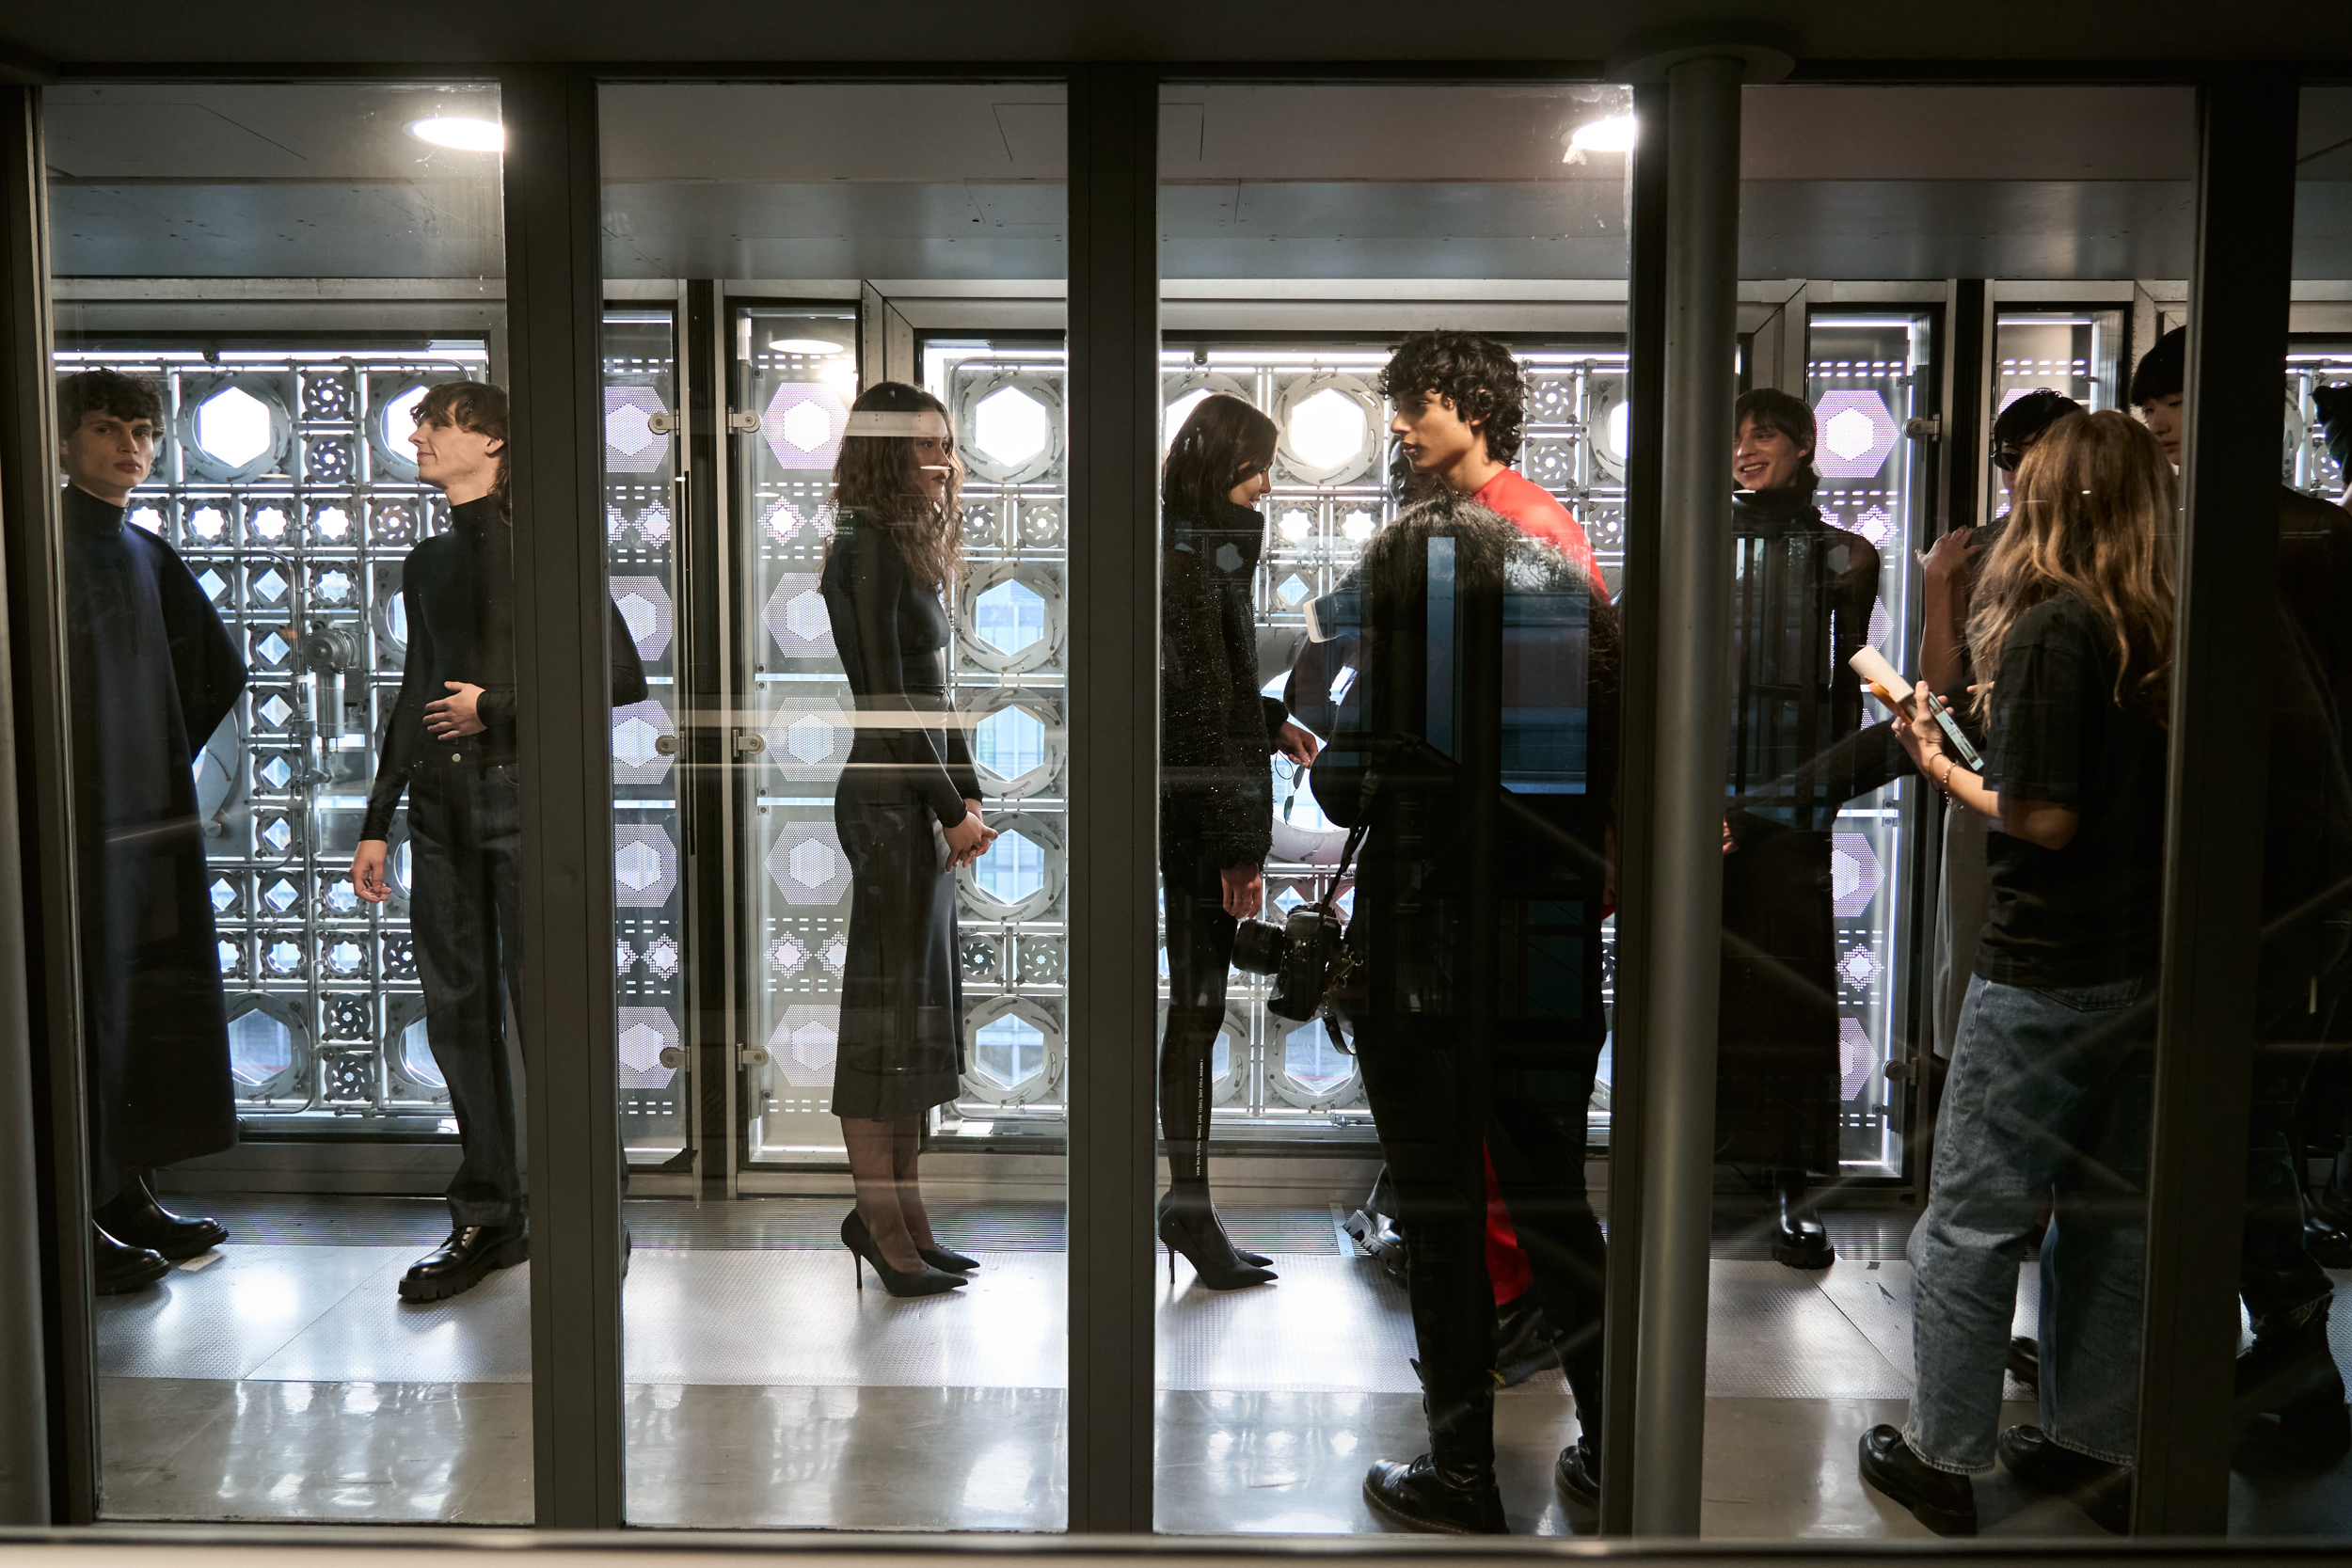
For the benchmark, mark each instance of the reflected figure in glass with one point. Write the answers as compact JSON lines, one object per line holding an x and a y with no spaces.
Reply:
{"x":2049,"y":1089}
{"x":1444,"y":574}
{"x":1216,"y":731}
{"x":1801,"y":594}
{"x":450,"y":745}
{"x":908,"y":811}
{"x":151,"y":672}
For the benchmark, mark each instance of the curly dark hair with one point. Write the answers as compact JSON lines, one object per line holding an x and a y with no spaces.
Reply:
{"x":1223,"y":442}
{"x":1477,"y":373}
{"x":106,"y":392}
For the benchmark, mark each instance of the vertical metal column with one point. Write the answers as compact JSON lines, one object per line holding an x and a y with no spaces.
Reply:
{"x":1114,"y":764}
{"x":1685,"y":914}
{"x":1637,"y":766}
{"x":2228,"y":597}
{"x":564,"y":706}
{"x":49,"y":1443}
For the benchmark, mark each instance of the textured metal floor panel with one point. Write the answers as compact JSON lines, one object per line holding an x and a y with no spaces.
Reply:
{"x":371,"y":1336}
{"x":227,"y":1319}
{"x":1773,"y":1333}
{"x":1328,"y":1325}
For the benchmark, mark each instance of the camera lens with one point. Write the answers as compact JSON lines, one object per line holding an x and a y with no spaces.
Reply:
{"x":1258,"y":948}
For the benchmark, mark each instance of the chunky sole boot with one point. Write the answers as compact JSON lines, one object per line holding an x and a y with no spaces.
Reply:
{"x":135,"y":1218}
{"x":1415,"y":1496}
{"x":1943,"y":1502}
{"x":472,"y":1255}
{"x":1576,"y":1475}
{"x":1798,"y":1239}
{"x":117,"y":1270}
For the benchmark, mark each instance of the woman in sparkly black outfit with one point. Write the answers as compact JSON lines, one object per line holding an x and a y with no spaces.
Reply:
{"x":1217,"y":732}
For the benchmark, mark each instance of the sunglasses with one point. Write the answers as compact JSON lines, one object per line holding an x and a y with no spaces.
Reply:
{"x":2007,"y":458}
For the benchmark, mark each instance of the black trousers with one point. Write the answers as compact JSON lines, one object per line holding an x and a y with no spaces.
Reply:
{"x":465,"y":843}
{"x":1534,"y":1126}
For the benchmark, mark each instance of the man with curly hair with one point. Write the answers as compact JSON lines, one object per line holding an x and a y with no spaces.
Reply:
{"x":1460,"y":400}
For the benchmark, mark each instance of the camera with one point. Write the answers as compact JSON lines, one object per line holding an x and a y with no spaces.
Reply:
{"x":1301,"y":954}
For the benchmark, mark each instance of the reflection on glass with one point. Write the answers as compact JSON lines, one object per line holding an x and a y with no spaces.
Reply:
{"x":282,"y":474}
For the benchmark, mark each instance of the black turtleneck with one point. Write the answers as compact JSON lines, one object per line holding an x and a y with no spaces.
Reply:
{"x":458,"y":590}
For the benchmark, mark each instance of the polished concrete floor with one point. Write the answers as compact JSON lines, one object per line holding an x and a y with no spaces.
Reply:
{"x":281,"y":1378}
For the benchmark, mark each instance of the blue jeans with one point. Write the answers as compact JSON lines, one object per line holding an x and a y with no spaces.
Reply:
{"x":2048,"y":1095}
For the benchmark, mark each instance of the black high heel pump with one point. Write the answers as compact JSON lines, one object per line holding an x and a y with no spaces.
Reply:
{"x":946,"y":1262}
{"x":1190,"y":1227}
{"x":923,"y":1281}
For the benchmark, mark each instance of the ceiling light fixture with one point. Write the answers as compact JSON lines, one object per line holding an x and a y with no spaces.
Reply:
{"x":804,"y":346}
{"x":465,"y":134}
{"x":1614,"y":135}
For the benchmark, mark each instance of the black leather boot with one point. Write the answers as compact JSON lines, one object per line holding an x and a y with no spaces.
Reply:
{"x":119,"y":1269}
{"x":1798,"y":1239}
{"x":1945,"y":1502}
{"x":2102,"y":1489}
{"x":2291,"y":1372}
{"x":1576,"y":1475}
{"x":133,"y":1216}
{"x":463,"y":1262}
{"x":1450,"y":1490}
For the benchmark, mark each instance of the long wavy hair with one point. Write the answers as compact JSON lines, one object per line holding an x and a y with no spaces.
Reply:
{"x":2090,"y":515}
{"x":1223,"y":442}
{"x":875,"y":478}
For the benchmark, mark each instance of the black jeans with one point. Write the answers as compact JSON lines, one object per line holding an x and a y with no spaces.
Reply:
{"x":1534,"y":1128}
{"x":465,"y":839}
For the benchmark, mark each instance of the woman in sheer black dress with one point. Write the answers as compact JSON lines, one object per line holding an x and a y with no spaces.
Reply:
{"x":908,"y":811}
{"x":1802,"y":596}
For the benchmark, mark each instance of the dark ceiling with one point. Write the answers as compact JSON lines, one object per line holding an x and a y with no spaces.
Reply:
{"x":760,"y":32}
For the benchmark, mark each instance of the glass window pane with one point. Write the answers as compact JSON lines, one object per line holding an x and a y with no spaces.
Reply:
{"x":1935,"y":281}
{"x":257,"y":289}
{"x":1350,"y":274}
{"x":842,"y":987}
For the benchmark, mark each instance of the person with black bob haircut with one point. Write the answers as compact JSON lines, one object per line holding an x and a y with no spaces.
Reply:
{"x":151,"y":672}
{"x":1803,"y":592}
{"x":908,"y":812}
{"x":450,"y":745}
{"x":1217,"y":732}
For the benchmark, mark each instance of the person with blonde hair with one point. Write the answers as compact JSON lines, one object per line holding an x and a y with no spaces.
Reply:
{"x":2049,"y":1088}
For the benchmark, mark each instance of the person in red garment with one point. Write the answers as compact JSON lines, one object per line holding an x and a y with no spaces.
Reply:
{"x":1459,"y":400}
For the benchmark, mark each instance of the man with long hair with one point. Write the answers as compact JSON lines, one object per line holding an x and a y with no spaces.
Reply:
{"x":450,"y":745}
{"x":151,"y":671}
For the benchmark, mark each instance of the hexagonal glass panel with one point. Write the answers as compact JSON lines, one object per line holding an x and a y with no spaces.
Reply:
{"x":1013,"y":868}
{"x":260,"y":1048}
{"x":1010,"y":617}
{"x":1009,"y":743}
{"x":234,"y":427}
{"x":1011,"y":426}
{"x":1329,"y":429}
{"x":1007,"y":1051}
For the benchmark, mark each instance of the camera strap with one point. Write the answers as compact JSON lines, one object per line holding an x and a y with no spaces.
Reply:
{"x":1364,"y":825}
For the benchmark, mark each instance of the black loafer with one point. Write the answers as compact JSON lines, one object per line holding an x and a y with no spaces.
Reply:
{"x":119,"y":1269}
{"x":463,"y":1262}
{"x":1576,"y":1475}
{"x":134,"y":1217}
{"x":1943,"y":1502}
{"x":2104,"y":1491}
{"x":1416,"y":1496}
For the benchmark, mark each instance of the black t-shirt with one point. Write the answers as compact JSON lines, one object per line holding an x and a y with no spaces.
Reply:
{"x":2088,"y":913}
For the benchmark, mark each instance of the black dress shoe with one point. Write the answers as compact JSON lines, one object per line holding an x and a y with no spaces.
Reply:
{"x":463,"y":1262}
{"x":2102,"y":1489}
{"x":1798,"y":1239}
{"x":1576,"y":1475}
{"x":1419,"y":1497}
{"x":1943,"y":1502}
{"x":134,"y":1216}
{"x":2025,"y":1360}
{"x":120,"y":1269}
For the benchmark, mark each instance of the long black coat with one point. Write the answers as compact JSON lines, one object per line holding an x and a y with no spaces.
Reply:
{"x":1802,"y":596}
{"x":1217,"y":730}
{"x":151,"y":673}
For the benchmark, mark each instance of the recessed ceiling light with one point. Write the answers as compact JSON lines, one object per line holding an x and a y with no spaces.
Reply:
{"x":1612,"y":134}
{"x":804,"y":346}
{"x":465,"y":134}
